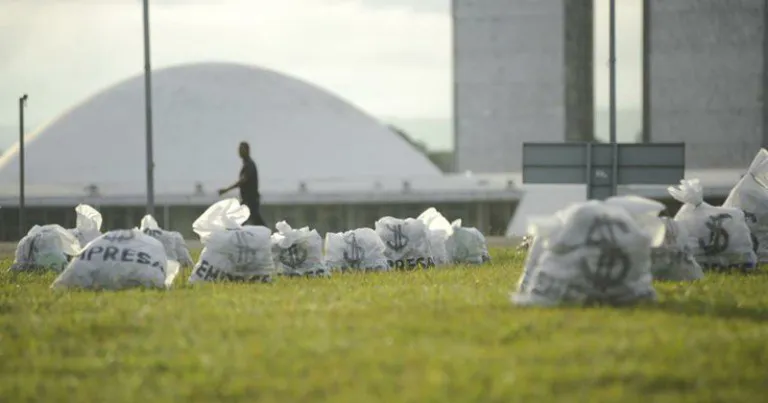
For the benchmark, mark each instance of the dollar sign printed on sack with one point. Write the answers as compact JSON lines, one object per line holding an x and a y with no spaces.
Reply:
{"x":399,"y":239}
{"x":354,"y":253}
{"x":751,"y":218}
{"x":244,"y":255}
{"x":119,"y":236}
{"x":612,"y":265}
{"x":718,"y":237}
{"x":293,"y":256}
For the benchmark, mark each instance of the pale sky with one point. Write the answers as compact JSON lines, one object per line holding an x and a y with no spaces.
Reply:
{"x":389,"y":57}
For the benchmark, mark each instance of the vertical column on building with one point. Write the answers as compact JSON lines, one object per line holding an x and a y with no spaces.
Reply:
{"x":646,"y":89}
{"x":764,"y":93}
{"x":578,"y":46}
{"x":707,"y":77}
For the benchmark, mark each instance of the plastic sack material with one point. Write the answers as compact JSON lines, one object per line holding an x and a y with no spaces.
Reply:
{"x":88,"y":224}
{"x":592,"y":252}
{"x":150,"y":227}
{"x":232,"y":252}
{"x":466,"y":245}
{"x":222,"y":215}
{"x":525,"y":244}
{"x":118,"y":260}
{"x":750,"y":195}
{"x":360,"y":249}
{"x":673,"y":260}
{"x":298,"y":252}
{"x":439,"y":231}
{"x":182,"y":252}
{"x":406,"y":241}
{"x":45,"y":247}
{"x":719,"y":236}
{"x":535,"y":249}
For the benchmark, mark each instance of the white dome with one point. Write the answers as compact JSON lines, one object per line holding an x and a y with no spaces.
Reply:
{"x":297,"y":131}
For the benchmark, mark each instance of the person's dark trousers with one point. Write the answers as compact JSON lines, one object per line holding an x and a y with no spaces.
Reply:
{"x":255,"y":218}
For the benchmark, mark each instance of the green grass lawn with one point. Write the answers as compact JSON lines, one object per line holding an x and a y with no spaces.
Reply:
{"x":446,"y":335}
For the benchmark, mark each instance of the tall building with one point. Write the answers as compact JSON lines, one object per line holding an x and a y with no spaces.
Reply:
{"x":522,"y":73}
{"x":706,"y":78}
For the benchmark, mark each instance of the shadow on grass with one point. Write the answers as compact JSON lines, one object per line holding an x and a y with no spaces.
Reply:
{"x":692,"y":308}
{"x":688,"y":308}
{"x":720,"y":310}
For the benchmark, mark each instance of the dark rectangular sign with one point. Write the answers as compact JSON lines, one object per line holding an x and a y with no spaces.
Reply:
{"x":592,"y":164}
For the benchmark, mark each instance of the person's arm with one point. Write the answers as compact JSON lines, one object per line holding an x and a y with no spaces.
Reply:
{"x":234,"y":185}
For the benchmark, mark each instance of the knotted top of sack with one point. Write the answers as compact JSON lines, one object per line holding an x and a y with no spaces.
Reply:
{"x":644,"y":214}
{"x":223,"y":215}
{"x":88,"y":218}
{"x":757,"y":172}
{"x":689,"y":191}
{"x":435,"y":221}
{"x":286,"y":236}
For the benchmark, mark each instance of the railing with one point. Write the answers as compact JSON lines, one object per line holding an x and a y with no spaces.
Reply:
{"x":389,"y":185}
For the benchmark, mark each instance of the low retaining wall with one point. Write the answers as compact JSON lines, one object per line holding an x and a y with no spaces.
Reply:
{"x":7,"y":248}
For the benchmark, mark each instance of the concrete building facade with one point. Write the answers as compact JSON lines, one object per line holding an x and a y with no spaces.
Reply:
{"x":706,"y":79}
{"x":522,"y":73}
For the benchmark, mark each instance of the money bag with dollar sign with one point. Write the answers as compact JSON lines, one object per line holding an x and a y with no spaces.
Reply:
{"x":232,"y":251}
{"x":149,"y":226}
{"x":592,"y":252}
{"x":750,"y":195}
{"x":120,"y":259}
{"x":467,"y":245}
{"x":356,"y":250}
{"x":45,"y":248}
{"x":298,"y":251}
{"x":673,"y":260}
{"x":407,"y":242}
{"x":719,"y":236}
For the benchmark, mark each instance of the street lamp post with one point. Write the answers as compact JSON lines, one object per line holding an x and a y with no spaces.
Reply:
{"x":612,"y":96}
{"x":22,"y":212}
{"x":148,"y":115}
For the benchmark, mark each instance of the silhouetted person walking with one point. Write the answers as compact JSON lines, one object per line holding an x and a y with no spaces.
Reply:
{"x":249,"y":186}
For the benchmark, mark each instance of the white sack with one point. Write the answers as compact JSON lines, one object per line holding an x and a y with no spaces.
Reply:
{"x":673,"y":260}
{"x":149,"y":226}
{"x":45,"y":248}
{"x":359,"y":249}
{"x":182,"y":252}
{"x":237,"y":255}
{"x":592,"y":252}
{"x":406,"y":241}
{"x":232,"y":252}
{"x":750,"y":195}
{"x":525,"y":243}
{"x":535,"y":250}
{"x":88,"y":224}
{"x":222,"y":215}
{"x":719,"y":236}
{"x":439,"y":231}
{"x":119,"y":260}
{"x":298,"y":252}
{"x":466,"y":245}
